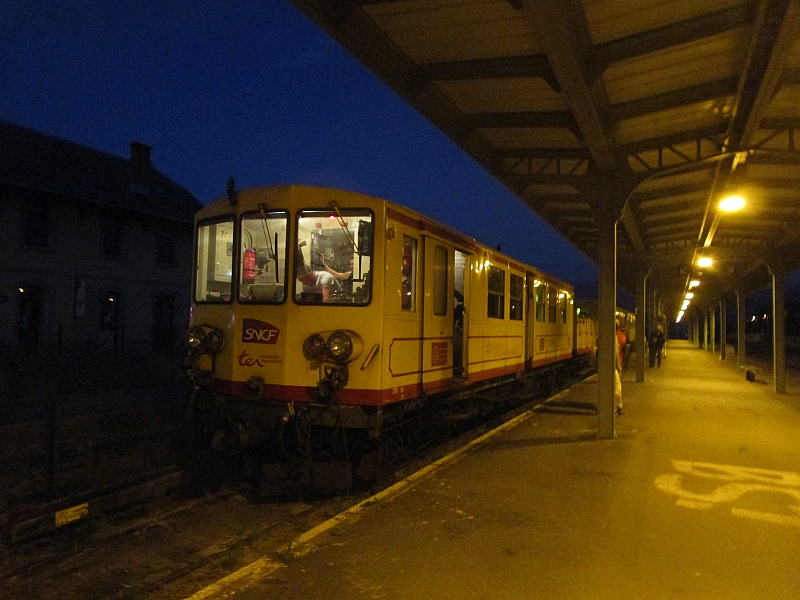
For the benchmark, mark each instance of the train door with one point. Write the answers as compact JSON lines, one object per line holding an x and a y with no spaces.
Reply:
{"x":460,"y":337}
{"x":437,"y":330}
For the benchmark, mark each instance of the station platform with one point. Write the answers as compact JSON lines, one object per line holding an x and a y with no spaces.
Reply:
{"x":697,"y":497}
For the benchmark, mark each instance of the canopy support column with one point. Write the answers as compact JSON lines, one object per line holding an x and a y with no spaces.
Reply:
{"x":778,"y":323}
{"x":606,"y":303}
{"x":641,"y":338}
{"x":741,"y":317}
{"x":723,"y":329}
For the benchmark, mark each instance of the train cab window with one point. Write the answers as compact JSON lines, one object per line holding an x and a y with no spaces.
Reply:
{"x":408,"y":281}
{"x":515,"y":294}
{"x":552,"y":303}
{"x":262,"y":276}
{"x":497,"y":293}
{"x":540,"y":298}
{"x":214,"y":260}
{"x":333,"y":257}
{"x":440,"y":297}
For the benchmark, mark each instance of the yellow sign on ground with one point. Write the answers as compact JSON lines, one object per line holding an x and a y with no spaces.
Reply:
{"x":68,"y":515}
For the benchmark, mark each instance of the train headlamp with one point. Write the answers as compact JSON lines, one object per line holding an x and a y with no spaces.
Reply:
{"x":315,"y":346}
{"x":215,"y":341}
{"x":201,"y":339}
{"x":340,"y":346}
{"x":195,"y":338}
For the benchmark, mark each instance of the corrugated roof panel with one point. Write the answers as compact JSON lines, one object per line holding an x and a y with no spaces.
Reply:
{"x":667,"y":228}
{"x":676,"y":215}
{"x":709,"y":59}
{"x":431,"y":31}
{"x":774,"y":171}
{"x":685,"y":118}
{"x":793,"y":55}
{"x":702,"y":176}
{"x":671,"y":156}
{"x":786,"y":103}
{"x":502,"y":95}
{"x":552,"y":189}
{"x":659,"y":203}
{"x":532,"y":137}
{"x":772,"y":139}
{"x":615,"y":19}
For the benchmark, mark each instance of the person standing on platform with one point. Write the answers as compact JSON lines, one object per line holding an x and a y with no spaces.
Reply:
{"x":656,"y":344}
{"x":617,"y":371}
{"x":623,"y":339}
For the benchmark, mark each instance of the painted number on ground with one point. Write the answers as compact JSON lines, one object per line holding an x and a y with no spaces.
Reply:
{"x":735,"y":482}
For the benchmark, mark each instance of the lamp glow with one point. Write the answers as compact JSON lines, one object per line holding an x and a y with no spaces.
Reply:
{"x":704,"y":261}
{"x":689,"y":295}
{"x":732,"y":203}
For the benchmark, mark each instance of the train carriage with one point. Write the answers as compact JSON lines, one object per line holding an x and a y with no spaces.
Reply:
{"x":318,"y":309}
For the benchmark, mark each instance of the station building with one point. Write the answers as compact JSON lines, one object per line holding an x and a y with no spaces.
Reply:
{"x":96,"y":250}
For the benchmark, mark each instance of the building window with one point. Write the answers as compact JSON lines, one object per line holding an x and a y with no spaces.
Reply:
{"x":497,"y":293}
{"x":112,"y":238}
{"x":29,"y":318}
{"x":163,"y":322}
{"x":408,"y":281}
{"x":165,"y":248}
{"x":37,"y":224}
{"x":515,"y":294}
{"x":108,"y":334}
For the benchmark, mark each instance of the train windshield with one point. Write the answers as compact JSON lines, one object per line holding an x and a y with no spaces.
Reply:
{"x":214,"y":261}
{"x":333,"y":260}
{"x":262,"y":278}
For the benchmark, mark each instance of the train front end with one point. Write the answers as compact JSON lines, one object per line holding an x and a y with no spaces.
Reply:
{"x":285,"y":324}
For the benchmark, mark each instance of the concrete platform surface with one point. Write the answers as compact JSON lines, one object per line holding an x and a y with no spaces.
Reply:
{"x":697,"y":497}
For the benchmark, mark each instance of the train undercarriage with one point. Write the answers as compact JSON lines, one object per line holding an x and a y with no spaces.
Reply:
{"x":275,"y":448}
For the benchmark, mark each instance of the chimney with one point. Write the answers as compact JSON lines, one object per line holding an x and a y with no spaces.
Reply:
{"x":140,"y":164}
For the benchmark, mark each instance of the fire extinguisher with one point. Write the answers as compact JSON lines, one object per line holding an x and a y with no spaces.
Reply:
{"x":249,"y":264}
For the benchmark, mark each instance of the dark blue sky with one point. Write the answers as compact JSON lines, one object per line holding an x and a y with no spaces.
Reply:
{"x":254,"y":90}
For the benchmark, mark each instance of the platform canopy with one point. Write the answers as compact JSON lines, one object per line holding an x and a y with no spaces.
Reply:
{"x":670,"y":104}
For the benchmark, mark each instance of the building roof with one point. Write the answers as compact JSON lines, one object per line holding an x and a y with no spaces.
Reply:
{"x":34,"y":160}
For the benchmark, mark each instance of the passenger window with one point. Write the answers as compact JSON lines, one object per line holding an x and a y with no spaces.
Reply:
{"x":515,"y":294}
{"x":497,"y":291}
{"x":408,"y":281}
{"x":540,"y":297}
{"x":214,"y":261}
{"x":262,"y":277}
{"x":552,"y":300}
{"x":562,"y":306}
{"x":333,"y":256}
{"x":440,"y":299}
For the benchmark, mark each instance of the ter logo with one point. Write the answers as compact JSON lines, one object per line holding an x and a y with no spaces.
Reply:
{"x":259,"y":332}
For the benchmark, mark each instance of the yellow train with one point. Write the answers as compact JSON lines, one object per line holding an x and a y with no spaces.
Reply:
{"x":322,"y":318}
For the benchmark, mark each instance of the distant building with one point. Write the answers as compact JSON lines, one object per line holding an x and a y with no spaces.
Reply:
{"x":96,"y":249}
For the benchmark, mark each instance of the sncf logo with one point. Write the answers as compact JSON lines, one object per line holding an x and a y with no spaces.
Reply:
{"x":259,"y":332}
